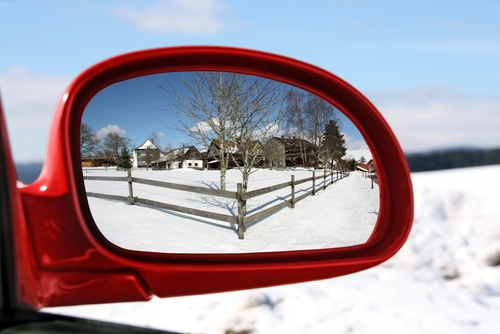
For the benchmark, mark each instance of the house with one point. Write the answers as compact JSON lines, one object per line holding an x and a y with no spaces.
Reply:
{"x":90,"y":163}
{"x":289,"y":152}
{"x":97,"y":162}
{"x":369,"y":167}
{"x":184,"y":157}
{"x":214,"y":154}
{"x":235,"y":155}
{"x":145,"y":154}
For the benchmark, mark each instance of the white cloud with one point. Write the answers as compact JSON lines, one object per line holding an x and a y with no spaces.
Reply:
{"x":439,"y":117}
{"x":103,"y":132}
{"x":203,"y":127}
{"x":194,"y":17}
{"x":29,"y":100}
{"x":270,"y":130}
{"x":352,"y":144}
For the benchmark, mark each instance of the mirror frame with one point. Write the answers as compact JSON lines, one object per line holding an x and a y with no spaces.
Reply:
{"x":82,"y":266}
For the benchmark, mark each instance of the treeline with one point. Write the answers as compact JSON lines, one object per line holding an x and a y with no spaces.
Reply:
{"x":453,"y":158}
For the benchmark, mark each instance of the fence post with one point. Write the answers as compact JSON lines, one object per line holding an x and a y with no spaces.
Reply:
{"x":130,"y":190}
{"x":324,"y":179}
{"x":241,"y":226}
{"x":314,"y":183}
{"x":292,"y":203}
{"x":331,"y":176}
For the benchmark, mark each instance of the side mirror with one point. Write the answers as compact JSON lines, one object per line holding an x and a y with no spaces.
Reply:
{"x":75,"y":262}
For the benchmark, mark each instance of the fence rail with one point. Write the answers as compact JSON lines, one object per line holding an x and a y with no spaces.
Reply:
{"x":241,"y":220}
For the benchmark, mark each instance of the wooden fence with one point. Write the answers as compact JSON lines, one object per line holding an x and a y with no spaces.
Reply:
{"x":241,"y":220}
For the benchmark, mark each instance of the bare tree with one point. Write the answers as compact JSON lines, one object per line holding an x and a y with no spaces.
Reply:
{"x":317,"y":114}
{"x":294,"y":120}
{"x":202,"y":106}
{"x":151,"y":153}
{"x":167,"y":148}
{"x":168,"y":155}
{"x":155,"y":138}
{"x":116,"y":148}
{"x":228,"y":109}
{"x":88,"y":141}
{"x":306,"y":117}
{"x":257,"y":106}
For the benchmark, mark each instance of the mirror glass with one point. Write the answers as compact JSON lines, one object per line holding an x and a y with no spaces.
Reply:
{"x":218,"y":162}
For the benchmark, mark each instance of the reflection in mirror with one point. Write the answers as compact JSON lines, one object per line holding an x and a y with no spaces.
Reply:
{"x":216,"y":162}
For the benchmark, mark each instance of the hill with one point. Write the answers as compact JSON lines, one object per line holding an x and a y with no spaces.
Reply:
{"x":452,"y":158}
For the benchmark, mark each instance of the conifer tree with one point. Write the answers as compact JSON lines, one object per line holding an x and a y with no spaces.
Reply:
{"x":333,"y":144}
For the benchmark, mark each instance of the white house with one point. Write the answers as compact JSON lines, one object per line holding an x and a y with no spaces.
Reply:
{"x":146,"y":154}
{"x":184,"y":157}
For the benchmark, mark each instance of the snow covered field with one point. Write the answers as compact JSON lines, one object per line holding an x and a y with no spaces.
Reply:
{"x":446,"y":279}
{"x":342,"y":215}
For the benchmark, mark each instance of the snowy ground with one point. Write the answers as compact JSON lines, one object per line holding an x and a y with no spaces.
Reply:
{"x":343,"y":215}
{"x":446,"y":279}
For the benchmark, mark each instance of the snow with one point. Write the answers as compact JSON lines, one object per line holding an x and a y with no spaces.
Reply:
{"x":358,"y":153}
{"x":445,"y":279}
{"x":343,"y":215}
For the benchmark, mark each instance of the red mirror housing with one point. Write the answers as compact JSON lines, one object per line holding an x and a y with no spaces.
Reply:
{"x":72,"y":263}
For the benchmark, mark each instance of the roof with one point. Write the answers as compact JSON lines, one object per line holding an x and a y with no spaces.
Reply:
{"x":293,"y":142}
{"x":179,"y":152}
{"x":232,"y":145}
{"x":368,"y":167}
{"x":145,"y":145}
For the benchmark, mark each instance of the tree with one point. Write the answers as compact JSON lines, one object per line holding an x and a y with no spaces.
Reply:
{"x":169,"y":155}
{"x":257,"y":106}
{"x":113,"y":145}
{"x":305,"y":119}
{"x":88,"y":141}
{"x":155,"y":138}
{"x":150,"y":154}
{"x":203,"y":111}
{"x":347,"y":163}
{"x":233,"y":110}
{"x":155,"y":154}
{"x":317,"y":114}
{"x":333,"y":144}
{"x":124,"y":160}
{"x":294,"y":120}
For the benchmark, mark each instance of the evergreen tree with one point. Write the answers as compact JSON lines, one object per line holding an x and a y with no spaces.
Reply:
{"x":124,"y":159}
{"x":333,"y":144}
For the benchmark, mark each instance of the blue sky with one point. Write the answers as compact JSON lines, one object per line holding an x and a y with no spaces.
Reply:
{"x":138,"y":107}
{"x":432,"y":68}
